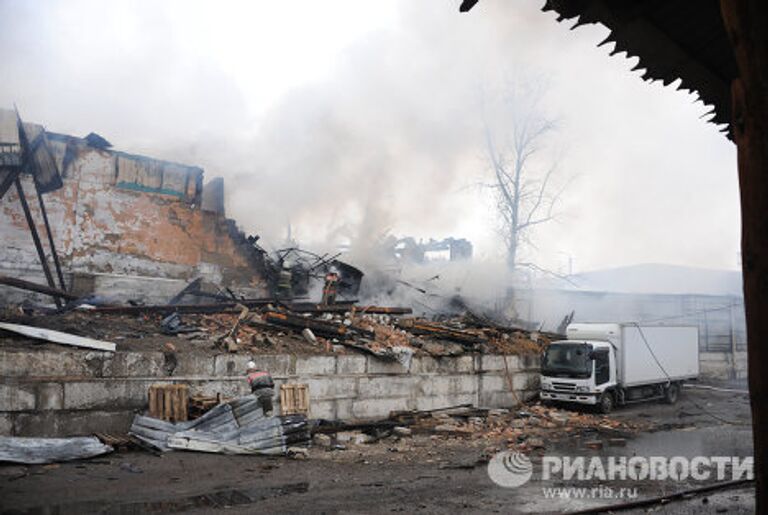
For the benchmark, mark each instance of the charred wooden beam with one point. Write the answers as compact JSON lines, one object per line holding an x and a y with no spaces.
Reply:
{"x":343,"y":307}
{"x":319,"y":327}
{"x":422,"y":327}
{"x":36,"y":240}
{"x":222,"y":307}
{"x":54,"y":254}
{"x":39,"y":288}
{"x":382,"y":310}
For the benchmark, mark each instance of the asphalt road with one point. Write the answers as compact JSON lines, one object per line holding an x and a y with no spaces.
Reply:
{"x":423,"y":474}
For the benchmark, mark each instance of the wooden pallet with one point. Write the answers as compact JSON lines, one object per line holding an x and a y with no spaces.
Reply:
{"x":169,"y":401}
{"x":294,"y":399}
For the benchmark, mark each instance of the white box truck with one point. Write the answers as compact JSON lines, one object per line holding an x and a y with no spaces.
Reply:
{"x":614,"y":364}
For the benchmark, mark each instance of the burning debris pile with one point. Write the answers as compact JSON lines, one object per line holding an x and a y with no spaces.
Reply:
{"x":275,"y":325}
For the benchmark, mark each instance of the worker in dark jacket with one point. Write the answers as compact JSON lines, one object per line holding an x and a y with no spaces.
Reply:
{"x":262,"y":387}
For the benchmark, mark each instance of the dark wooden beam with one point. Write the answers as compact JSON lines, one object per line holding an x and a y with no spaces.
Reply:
{"x":745,"y":23}
{"x":36,"y":239}
{"x":39,"y":288}
{"x":54,"y":254}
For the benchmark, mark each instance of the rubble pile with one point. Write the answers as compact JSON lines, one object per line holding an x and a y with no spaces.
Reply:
{"x":529,"y":428}
{"x":272,"y":325}
{"x":525,"y":428}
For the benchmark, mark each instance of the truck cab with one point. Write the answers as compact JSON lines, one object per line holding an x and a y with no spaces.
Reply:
{"x":573,"y":371}
{"x":605,"y":365}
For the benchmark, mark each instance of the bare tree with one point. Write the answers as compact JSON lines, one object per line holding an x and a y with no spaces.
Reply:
{"x":516,"y":129}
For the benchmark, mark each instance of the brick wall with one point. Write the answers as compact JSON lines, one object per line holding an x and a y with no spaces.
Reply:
{"x":125,"y":215}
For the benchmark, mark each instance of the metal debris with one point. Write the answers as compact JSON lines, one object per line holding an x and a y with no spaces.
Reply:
{"x":236,"y":427}
{"x":16,"y":449}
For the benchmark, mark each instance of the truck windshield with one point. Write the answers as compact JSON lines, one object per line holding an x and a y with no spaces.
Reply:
{"x":567,"y":360}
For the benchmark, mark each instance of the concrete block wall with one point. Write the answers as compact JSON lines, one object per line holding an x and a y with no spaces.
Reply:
{"x":73,"y":392}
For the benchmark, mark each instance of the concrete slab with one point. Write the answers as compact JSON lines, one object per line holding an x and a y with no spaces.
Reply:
{"x":315,"y":365}
{"x":350,"y":365}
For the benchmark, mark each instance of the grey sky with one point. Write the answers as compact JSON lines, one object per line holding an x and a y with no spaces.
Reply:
{"x":354,"y":118}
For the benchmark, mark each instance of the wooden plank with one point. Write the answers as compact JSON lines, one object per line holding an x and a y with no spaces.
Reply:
{"x":58,"y":337}
{"x":745,"y":25}
{"x":152,"y":401}
{"x":167,"y":412}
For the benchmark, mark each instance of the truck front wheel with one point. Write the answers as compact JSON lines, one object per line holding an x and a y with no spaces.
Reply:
{"x":671,"y":393}
{"x":605,"y":405}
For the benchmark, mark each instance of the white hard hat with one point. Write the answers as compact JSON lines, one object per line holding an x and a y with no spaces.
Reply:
{"x":251,"y":364}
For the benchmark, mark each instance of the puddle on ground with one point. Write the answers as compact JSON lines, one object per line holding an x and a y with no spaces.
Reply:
{"x":688,"y":442}
{"x":215,"y":500}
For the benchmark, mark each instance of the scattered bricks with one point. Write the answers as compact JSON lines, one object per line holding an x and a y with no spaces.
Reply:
{"x":594,"y":444}
{"x":617,"y":442}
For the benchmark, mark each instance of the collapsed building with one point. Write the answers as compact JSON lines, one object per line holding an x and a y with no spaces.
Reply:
{"x":123,"y":224}
{"x":448,"y":249}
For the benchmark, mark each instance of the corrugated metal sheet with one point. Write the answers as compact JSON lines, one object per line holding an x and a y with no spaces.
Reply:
{"x":43,"y":165}
{"x":673,"y":39}
{"x":17,"y":449}
{"x":237,"y":427}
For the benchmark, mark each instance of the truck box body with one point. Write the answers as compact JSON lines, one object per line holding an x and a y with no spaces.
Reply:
{"x":646,"y":354}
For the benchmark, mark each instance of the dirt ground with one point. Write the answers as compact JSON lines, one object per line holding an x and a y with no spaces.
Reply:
{"x":424,"y":473}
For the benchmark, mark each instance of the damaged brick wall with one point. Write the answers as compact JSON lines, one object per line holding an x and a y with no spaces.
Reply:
{"x":123,"y":214}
